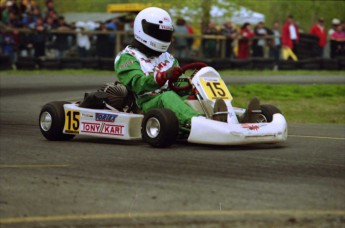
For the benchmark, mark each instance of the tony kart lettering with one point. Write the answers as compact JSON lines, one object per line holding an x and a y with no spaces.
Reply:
{"x":102,"y":128}
{"x":105,"y":117}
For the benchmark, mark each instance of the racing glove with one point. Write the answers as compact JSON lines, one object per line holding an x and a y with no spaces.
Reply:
{"x":172,"y":74}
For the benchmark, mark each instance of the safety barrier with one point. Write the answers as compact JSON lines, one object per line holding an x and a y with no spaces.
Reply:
{"x":31,"y":63}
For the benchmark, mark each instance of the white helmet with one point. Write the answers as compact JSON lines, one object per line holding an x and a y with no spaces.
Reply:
{"x":153,"y":28}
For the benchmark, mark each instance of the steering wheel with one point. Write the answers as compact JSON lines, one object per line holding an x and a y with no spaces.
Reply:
{"x":196,"y":66}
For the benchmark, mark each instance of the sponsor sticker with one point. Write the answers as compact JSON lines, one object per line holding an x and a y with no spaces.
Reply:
{"x":105,"y":117}
{"x":87,"y":115}
{"x":251,"y":127}
{"x":164,"y":27}
{"x":126,"y":64}
{"x":102,"y":128}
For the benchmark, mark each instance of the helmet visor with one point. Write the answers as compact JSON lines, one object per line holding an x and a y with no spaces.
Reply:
{"x":159,"y":32}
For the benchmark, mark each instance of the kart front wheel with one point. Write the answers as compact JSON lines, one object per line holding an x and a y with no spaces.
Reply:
{"x":267,"y":112}
{"x":52,"y":120}
{"x":160,"y":127}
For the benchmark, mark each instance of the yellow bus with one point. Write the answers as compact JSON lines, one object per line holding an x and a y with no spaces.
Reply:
{"x":132,"y":7}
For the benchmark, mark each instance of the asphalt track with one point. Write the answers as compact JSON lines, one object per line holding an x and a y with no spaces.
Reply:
{"x":91,"y":182}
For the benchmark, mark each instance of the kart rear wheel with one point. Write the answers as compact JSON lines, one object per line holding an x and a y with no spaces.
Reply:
{"x":160,"y":127}
{"x":52,"y":120}
{"x":267,"y":112}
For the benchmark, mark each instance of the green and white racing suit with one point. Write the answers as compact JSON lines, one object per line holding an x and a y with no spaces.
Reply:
{"x":138,"y":72}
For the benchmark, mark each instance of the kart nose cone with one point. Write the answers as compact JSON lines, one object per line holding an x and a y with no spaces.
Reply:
{"x":153,"y":127}
{"x":46,"y":121}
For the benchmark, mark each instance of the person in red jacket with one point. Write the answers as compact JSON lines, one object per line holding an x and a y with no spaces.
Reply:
{"x":290,"y":34}
{"x":245,"y":42}
{"x":319,"y":30}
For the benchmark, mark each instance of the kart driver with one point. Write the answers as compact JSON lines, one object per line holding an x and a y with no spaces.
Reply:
{"x":145,"y":66}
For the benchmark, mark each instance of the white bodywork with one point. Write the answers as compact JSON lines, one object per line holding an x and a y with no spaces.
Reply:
{"x":102,"y":123}
{"x":206,"y":131}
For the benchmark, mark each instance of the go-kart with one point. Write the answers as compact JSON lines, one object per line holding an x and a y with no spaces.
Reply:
{"x":93,"y":116}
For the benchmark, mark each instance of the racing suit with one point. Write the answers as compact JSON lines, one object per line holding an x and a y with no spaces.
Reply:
{"x":138,"y":73}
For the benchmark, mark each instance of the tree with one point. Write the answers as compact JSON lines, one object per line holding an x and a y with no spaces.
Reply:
{"x":197,"y":12}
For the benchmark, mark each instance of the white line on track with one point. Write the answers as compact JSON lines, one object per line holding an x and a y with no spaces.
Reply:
{"x":151,"y":215}
{"x":316,"y":137}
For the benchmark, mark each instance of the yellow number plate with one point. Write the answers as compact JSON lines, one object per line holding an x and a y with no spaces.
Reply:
{"x":72,"y":121}
{"x":215,"y":89}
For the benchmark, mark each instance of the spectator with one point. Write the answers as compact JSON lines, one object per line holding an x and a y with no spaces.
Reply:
{"x":26,"y":6}
{"x":10,"y":14}
{"x":335,"y":23}
{"x":290,"y":38}
{"x":14,"y":7}
{"x":13,"y":20}
{"x":62,"y":39}
{"x":128,"y":39}
{"x":26,"y":19}
{"x":35,"y":14}
{"x":260,"y":40}
{"x":39,"y":38}
{"x":83,"y":40}
{"x":50,"y":39}
{"x":111,"y":26}
{"x":9,"y":46}
{"x":319,"y":30}
{"x":49,"y":8}
{"x":246,"y":35}
{"x":338,"y":40}
{"x":332,"y":43}
{"x":26,"y":44}
{"x":210,"y":45}
{"x":6,"y":12}
{"x":231,"y":34}
{"x":190,"y":40}
{"x":275,"y":45}
{"x":54,"y":19}
{"x":181,"y":41}
{"x":105,"y":43}
{"x":50,"y":23}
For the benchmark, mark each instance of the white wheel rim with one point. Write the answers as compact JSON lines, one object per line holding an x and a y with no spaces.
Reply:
{"x":153,"y":127}
{"x":46,"y":121}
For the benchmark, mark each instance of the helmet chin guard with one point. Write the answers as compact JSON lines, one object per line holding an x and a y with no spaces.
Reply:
{"x":153,"y":27}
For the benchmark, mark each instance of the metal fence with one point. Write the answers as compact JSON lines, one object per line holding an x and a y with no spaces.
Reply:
{"x":120,"y":40}
{"x":59,"y":49}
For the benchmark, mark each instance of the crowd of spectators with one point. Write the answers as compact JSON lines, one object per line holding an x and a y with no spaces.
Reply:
{"x":277,"y":42}
{"x":28,"y":31}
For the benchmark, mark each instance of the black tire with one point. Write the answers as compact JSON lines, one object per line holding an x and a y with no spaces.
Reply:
{"x":164,"y":127}
{"x":54,"y":111}
{"x":268,"y":111}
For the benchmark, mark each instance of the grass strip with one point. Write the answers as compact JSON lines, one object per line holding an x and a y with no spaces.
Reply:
{"x":298,"y":103}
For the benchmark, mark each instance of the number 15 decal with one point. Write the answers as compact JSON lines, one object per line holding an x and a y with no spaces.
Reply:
{"x":72,"y":121}
{"x":216,"y":89}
